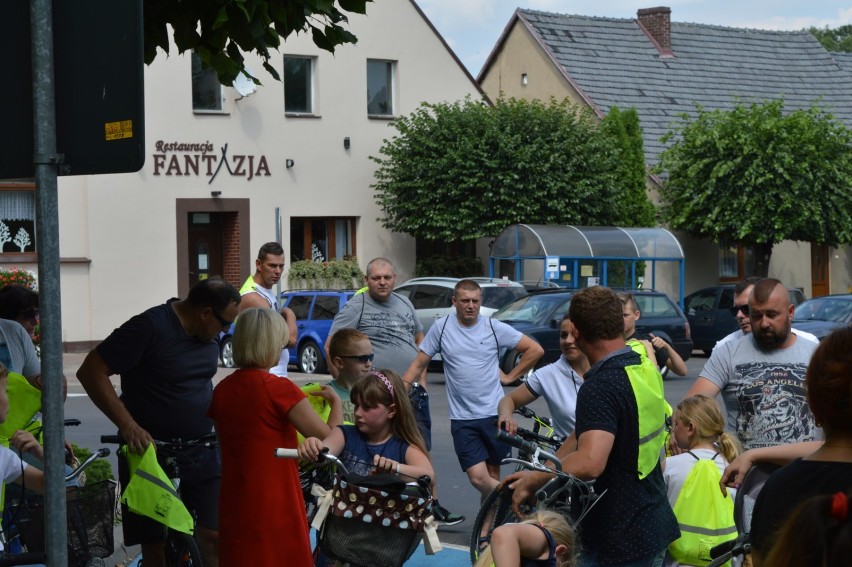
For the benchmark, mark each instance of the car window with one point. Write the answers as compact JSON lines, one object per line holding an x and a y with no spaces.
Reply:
{"x":498,"y":296}
{"x":533,"y":308}
{"x":432,"y":297}
{"x":655,"y":306}
{"x":326,"y":307}
{"x":727,"y":299}
{"x":404,"y":291}
{"x":697,"y":302}
{"x":796,"y":296}
{"x":300,"y":304}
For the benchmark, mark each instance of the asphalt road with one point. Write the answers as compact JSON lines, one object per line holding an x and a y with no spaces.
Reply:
{"x":455,"y":492}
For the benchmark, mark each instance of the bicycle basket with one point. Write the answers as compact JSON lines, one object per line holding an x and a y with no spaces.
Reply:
{"x":91,"y":513}
{"x":372,"y":526}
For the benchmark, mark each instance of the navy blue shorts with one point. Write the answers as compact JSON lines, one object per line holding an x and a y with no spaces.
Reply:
{"x":200,"y":474}
{"x":475,"y":441}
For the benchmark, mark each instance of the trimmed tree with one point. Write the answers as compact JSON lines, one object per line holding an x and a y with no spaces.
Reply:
{"x":837,"y":39}
{"x":759,"y":175}
{"x":220,"y":31}
{"x":466,"y":170}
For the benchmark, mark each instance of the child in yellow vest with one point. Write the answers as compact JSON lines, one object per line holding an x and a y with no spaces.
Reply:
{"x":692,"y":481}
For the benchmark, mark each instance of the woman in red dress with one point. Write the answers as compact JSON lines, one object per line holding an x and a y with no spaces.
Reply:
{"x":261,"y":510}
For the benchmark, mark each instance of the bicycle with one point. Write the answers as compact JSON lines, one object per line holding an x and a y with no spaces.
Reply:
{"x":90,"y":512}
{"x":564,"y":493}
{"x":370,"y":520}
{"x":181,"y":549}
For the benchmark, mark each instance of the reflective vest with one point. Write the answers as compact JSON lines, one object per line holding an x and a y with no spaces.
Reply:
{"x":24,"y":408}
{"x":647,"y":384}
{"x":151,"y":493}
{"x":705,"y":517}
{"x":319,"y":405}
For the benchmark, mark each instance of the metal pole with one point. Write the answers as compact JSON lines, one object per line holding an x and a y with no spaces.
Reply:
{"x":47,"y":237}
{"x":279,"y":241}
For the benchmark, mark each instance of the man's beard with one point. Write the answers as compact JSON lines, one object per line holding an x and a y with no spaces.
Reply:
{"x":769,"y":339}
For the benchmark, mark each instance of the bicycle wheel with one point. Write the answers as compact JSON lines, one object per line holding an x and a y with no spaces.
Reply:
{"x":182,"y":550}
{"x":495,"y":511}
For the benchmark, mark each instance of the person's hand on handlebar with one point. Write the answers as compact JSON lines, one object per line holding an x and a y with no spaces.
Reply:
{"x":507,"y":423}
{"x":135,"y":437}
{"x":524,"y":485}
{"x":385,"y":464}
{"x":310,"y":449}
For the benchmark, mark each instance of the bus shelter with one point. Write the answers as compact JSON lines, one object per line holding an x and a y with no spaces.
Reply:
{"x":581,"y":256}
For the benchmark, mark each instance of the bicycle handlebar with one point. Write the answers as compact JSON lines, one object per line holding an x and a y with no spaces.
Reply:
{"x":530,"y":448}
{"x":206,"y":440}
{"x":99,"y":454}
{"x":324,"y":457}
{"x":282,"y":453}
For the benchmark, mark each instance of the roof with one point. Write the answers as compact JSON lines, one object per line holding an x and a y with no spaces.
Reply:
{"x":614,"y":63}
{"x":540,"y":241}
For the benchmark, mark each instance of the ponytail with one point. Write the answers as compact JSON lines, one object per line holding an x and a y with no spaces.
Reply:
{"x":729,"y":446}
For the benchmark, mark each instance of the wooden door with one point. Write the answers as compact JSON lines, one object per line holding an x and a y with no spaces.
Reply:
{"x":205,"y":246}
{"x":819,"y":270}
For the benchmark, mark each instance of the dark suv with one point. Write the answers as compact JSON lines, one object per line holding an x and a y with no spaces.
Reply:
{"x":539,"y":315}
{"x":709,"y":313}
{"x":315,"y":311}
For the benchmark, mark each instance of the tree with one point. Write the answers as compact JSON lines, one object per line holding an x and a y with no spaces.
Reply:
{"x":22,"y":239}
{"x":759,"y":176}
{"x":839,"y":39}
{"x":220,"y":31}
{"x":467,"y":170}
{"x":4,"y":235}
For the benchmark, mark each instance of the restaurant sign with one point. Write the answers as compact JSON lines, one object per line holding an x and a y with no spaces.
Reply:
{"x":199,"y":159}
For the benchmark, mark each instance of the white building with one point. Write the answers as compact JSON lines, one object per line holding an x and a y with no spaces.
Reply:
{"x":217,"y":168}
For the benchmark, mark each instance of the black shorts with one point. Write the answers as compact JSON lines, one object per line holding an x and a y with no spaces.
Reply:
{"x":200,"y":474}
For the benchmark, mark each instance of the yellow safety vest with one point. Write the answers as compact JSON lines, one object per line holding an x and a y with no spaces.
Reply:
{"x":647,"y":384}
{"x":151,"y":493}
{"x":319,"y":405}
{"x":705,"y":517}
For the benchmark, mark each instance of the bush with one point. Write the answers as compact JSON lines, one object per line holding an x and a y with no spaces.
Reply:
{"x":97,"y":471}
{"x":334,"y":274}
{"x":449,"y":266}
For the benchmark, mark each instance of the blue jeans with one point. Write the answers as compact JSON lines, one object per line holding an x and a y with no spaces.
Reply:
{"x":656,"y":560}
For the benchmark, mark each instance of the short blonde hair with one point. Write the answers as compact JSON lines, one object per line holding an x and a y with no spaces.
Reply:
{"x":258,"y":338}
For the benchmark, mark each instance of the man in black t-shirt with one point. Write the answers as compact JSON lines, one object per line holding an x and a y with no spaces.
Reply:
{"x":632,"y":522}
{"x":167,"y":357}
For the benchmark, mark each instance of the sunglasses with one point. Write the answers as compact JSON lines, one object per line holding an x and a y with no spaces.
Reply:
{"x":363,"y":358}
{"x":222,"y":321}
{"x":737,"y":308}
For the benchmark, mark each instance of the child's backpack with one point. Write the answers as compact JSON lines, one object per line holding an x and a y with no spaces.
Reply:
{"x":705,"y":516}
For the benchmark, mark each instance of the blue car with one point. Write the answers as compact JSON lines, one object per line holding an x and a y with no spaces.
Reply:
{"x":315,"y":311}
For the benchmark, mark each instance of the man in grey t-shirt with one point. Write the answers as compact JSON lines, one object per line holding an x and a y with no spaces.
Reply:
{"x":762,"y":376}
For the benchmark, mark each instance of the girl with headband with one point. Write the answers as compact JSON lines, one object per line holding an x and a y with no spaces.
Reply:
{"x":384,"y":438}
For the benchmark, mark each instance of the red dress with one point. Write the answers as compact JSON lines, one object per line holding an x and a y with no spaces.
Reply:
{"x":261,"y":510}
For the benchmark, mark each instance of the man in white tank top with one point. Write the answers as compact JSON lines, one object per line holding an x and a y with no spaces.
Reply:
{"x":257,"y":292}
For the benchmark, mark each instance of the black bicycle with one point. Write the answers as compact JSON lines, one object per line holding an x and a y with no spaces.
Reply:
{"x":564,"y":493}
{"x":90,"y":510}
{"x":181,"y":549}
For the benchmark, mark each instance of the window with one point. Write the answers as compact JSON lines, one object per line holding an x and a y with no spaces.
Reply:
{"x":17,"y":218}
{"x":380,"y":91}
{"x":301,"y":306}
{"x":298,"y":85}
{"x":736,"y":260}
{"x":321,"y":239}
{"x":206,"y":89}
{"x":326,"y":307}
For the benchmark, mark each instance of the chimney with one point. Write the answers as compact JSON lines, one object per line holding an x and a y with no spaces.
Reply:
{"x":657,"y":24}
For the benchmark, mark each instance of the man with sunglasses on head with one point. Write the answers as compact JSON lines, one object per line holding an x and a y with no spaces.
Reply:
{"x":761,"y":375}
{"x":167,"y":358}
{"x":740,"y":312}
{"x":258,"y":291}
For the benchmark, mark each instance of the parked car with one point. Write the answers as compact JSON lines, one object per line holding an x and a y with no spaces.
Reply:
{"x":433,"y":297}
{"x":315,"y":311}
{"x":709,"y":313}
{"x":822,"y":315}
{"x":539,"y":314}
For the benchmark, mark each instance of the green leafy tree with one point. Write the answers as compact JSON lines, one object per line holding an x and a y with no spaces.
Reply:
{"x":759,"y":175}
{"x":838,"y":39}
{"x":220,"y":31}
{"x":465,"y":170}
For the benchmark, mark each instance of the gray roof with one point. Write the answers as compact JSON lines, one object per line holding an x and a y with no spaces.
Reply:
{"x":614,"y":63}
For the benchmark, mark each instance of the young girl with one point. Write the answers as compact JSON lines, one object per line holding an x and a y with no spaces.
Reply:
{"x":255,"y":412}
{"x":544,"y":539}
{"x":692,"y":480}
{"x":385,"y":435}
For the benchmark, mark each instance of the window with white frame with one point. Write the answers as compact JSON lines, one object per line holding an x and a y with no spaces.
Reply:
{"x":206,"y":88}
{"x":17,"y":219}
{"x":380,"y":87}
{"x":321,"y":239}
{"x":299,"y":85}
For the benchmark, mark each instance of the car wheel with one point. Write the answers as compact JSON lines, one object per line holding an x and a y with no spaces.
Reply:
{"x":513,"y":358}
{"x":226,"y":350}
{"x":310,"y":358}
{"x":664,"y":372}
